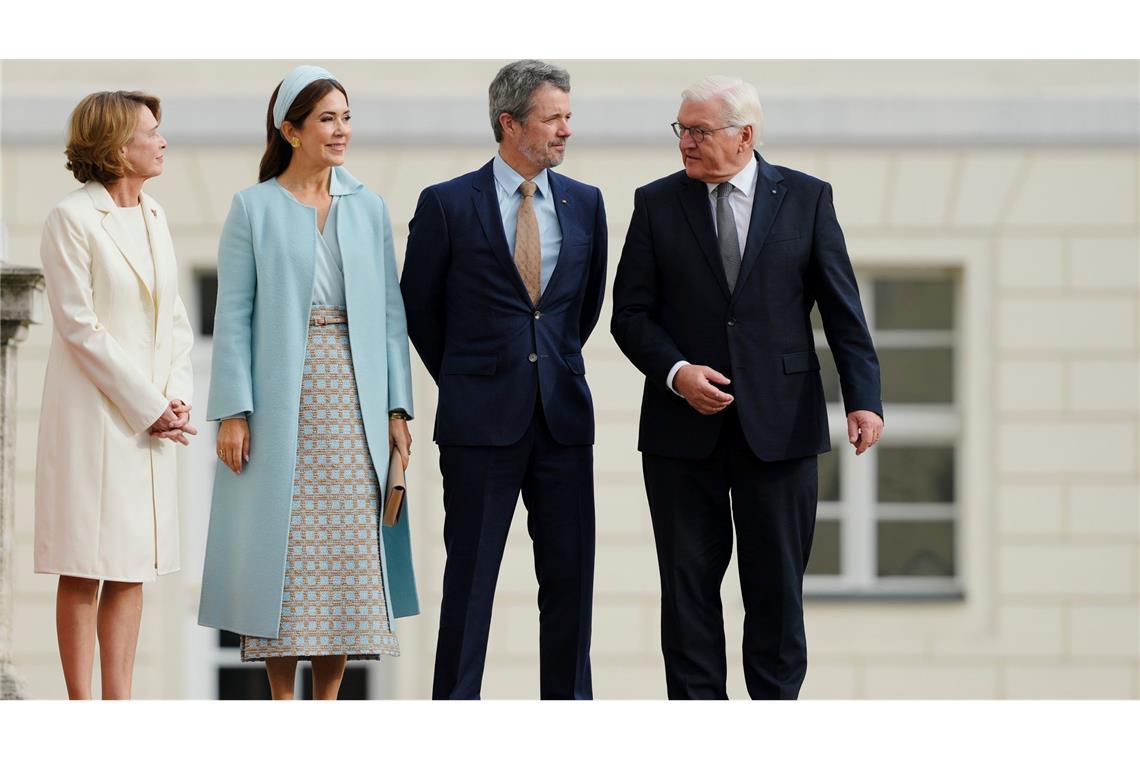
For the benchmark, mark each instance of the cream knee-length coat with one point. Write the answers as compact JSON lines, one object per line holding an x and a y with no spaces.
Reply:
{"x":107,"y":491}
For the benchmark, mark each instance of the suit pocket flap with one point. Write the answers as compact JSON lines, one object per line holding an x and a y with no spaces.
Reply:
{"x":805,"y":361}
{"x":575,"y":362}
{"x":469,"y":365}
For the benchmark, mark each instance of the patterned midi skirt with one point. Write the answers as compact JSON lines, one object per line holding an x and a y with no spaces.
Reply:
{"x":334,"y":601}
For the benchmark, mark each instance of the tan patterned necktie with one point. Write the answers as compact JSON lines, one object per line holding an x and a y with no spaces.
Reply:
{"x":528,"y":247}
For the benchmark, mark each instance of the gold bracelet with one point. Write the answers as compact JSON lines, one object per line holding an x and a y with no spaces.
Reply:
{"x":397,"y":414}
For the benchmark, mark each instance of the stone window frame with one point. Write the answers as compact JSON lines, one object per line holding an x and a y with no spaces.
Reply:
{"x":858,"y":512}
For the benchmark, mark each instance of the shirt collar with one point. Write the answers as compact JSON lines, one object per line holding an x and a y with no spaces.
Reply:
{"x":745,"y":181}
{"x":510,"y":180}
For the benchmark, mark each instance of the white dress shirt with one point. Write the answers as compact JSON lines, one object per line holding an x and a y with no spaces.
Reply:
{"x":133,"y":220}
{"x":740,"y":198}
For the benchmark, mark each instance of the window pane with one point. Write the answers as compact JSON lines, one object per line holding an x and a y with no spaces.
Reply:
{"x":829,"y":376}
{"x":916,"y":548}
{"x":243,"y":683}
{"x":916,"y":474}
{"x":824,"y":558}
{"x":206,"y":283}
{"x":917,"y":375}
{"x":354,"y":685}
{"x":829,"y":476}
{"x":914,"y":305}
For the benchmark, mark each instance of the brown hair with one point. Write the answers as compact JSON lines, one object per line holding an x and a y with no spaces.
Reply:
{"x":278,"y":152}
{"x":101,"y":125}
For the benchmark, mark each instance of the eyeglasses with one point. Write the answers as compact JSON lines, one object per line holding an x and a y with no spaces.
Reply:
{"x":697,"y":133}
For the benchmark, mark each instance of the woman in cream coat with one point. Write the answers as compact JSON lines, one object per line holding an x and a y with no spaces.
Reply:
{"x":116,"y":393}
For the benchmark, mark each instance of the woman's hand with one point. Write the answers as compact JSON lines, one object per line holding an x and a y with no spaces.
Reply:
{"x":182,"y":426}
{"x":233,"y":443}
{"x":168,"y":420}
{"x":182,"y":410}
{"x":401,"y":439}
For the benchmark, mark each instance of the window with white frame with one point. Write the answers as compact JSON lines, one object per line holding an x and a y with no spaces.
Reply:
{"x":238,"y":680}
{"x":887,"y":523}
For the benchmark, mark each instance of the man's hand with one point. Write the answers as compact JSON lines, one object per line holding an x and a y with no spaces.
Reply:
{"x":863,"y":429}
{"x":695,"y":383}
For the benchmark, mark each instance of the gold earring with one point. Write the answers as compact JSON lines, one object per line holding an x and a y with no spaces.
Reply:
{"x":295,"y":142}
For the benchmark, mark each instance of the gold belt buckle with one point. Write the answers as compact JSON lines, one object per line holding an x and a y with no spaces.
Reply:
{"x":319,"y":319}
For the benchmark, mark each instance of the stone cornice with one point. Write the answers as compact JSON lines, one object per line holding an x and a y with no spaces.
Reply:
{"x":1109,"y":119}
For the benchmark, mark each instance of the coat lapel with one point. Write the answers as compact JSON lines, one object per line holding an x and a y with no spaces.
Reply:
{"x":491,"y":219}
{"x":349,"y":227}
{"x":695,"y":202}
{"x":121,"y":237}
{"x":158,"y":233}
{"x":565,"y":209}
{"x":770,"y":193}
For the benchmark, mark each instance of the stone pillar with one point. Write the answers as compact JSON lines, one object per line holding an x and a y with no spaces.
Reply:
{"x":21,"y":304}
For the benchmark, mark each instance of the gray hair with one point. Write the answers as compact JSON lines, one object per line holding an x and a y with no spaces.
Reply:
{"x":741,"y":101}
{"x":513,"y":88}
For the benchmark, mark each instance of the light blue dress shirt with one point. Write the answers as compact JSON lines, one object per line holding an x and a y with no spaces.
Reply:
{"x":507,"y":182}
{"x":328,"y":274}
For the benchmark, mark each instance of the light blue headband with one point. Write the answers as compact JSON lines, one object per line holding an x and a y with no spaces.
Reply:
{"x":297,"y":80}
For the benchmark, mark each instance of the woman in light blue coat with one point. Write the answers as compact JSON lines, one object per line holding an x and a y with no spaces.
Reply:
{"x":312,"y":383}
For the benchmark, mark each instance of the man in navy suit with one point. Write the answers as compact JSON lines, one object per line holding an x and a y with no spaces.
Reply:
{"x":712,"y":301}
{"x":503,"y":283}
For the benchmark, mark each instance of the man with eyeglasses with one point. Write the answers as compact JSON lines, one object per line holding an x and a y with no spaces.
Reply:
{"x":503,"y":283}
{"x":712,"y":300}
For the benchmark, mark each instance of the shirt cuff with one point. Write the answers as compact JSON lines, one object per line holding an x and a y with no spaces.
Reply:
{"x":672,"y":374}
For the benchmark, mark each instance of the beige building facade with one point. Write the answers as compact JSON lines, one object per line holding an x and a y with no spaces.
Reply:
{"x":989,"y":547}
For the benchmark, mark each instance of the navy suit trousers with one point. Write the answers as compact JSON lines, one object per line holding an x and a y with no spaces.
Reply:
{"x":481,"y":485}
{"x":773,"y":506}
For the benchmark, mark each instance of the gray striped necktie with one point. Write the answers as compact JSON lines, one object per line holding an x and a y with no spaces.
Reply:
{"x":727,"y":241}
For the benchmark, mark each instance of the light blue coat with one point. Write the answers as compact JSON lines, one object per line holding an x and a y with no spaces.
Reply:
{"x":266,"y":261}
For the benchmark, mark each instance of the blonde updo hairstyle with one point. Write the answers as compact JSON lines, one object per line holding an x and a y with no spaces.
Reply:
{"x":101,"y":126}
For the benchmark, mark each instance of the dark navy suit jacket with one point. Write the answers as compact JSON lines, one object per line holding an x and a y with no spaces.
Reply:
{"x":489,"y":349}
{"x":671,"y":302}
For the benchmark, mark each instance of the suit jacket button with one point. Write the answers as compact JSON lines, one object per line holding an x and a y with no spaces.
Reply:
{"x":731,"y":322}
{"x":537,"y":314}
{"x":532,"y":358}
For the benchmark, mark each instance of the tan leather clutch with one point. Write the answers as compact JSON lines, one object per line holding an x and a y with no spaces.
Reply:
{"x":397,"y":487}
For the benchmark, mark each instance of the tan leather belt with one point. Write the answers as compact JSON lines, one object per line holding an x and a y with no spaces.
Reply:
{"x":328,"y":319}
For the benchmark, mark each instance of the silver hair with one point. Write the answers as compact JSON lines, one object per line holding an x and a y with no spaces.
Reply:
{"x":512,"y":90}
{"x":741,"y":101}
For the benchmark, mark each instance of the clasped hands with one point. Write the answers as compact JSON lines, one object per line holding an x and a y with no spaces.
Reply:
{"x":174,"y":424}
{"x":698,"y":385}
